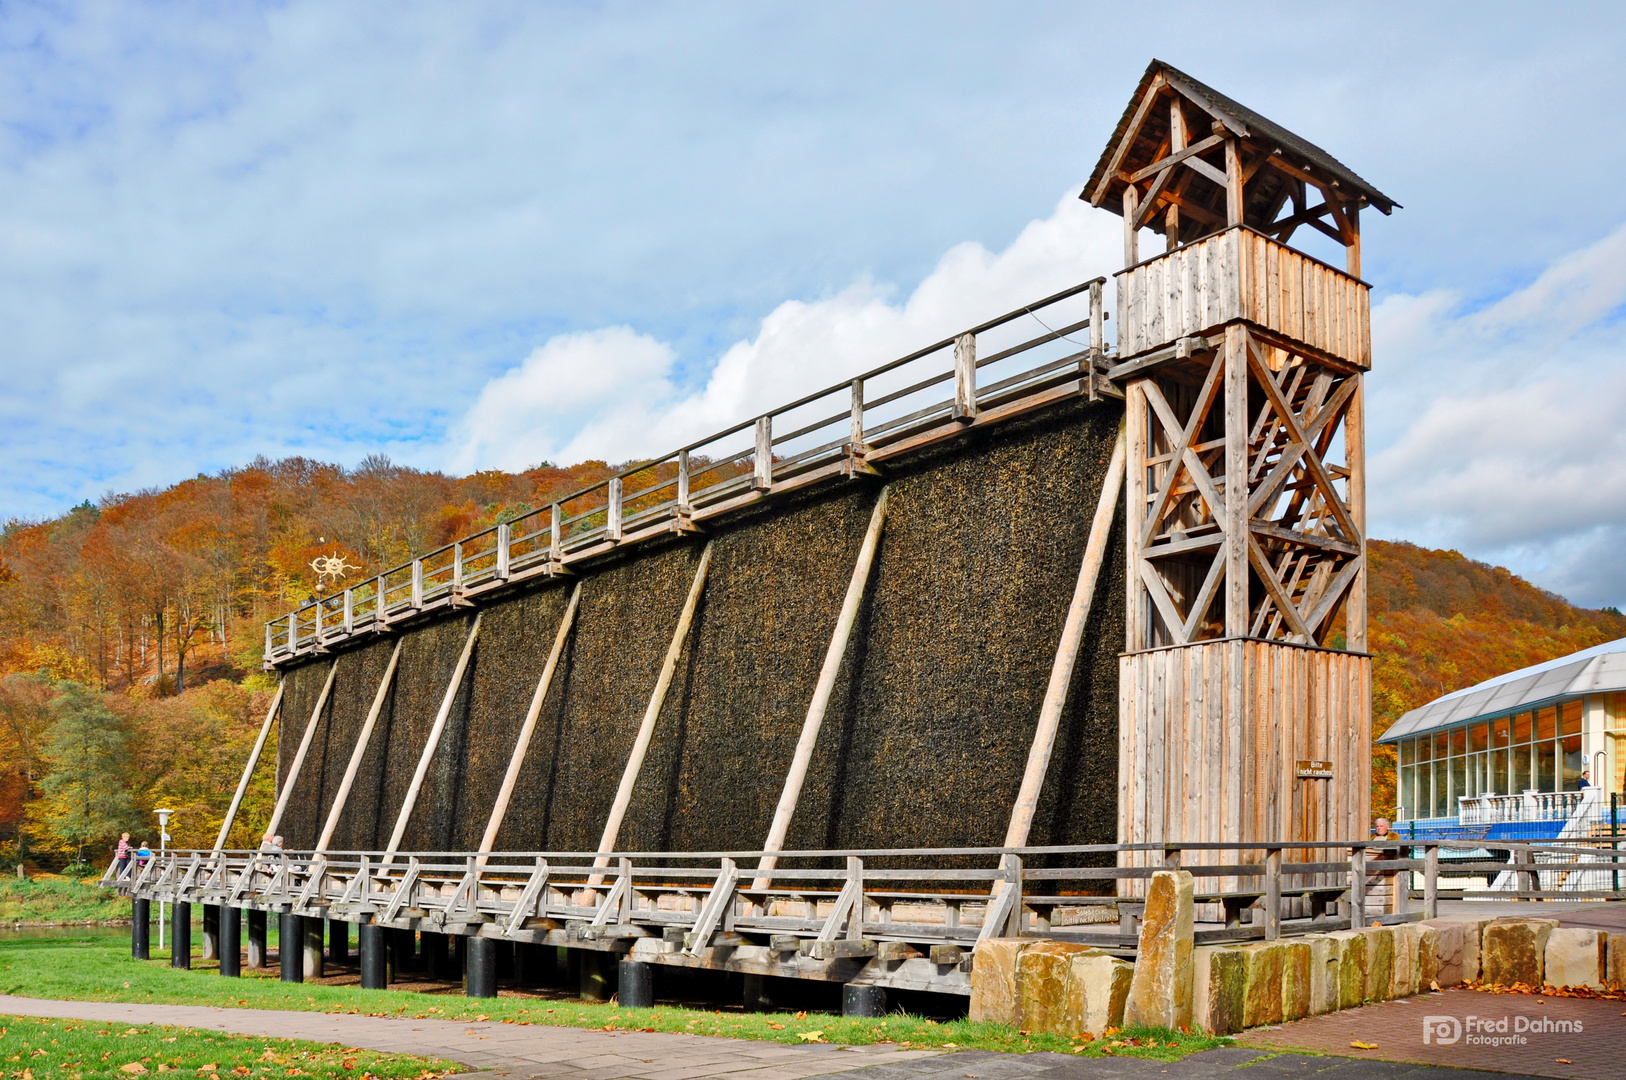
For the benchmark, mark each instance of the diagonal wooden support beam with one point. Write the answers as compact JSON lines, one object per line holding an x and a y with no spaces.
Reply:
{"x":1334,"y":592}
{"x":1289,"y":610}
{"x":248,"y":770}
{"x":343,"y":795}
{"x":1205,"y":595}
{"x":522,"y":745}
{"x":646,"y":730}
{"x":1164,"y":602}
{"x":1303,"y":448}
{"x":1188,"y":433}
{"x":304,"y":748}
{"x":822,"y":690}
{"x":432,"y":743}
{"x":1072,"y":636}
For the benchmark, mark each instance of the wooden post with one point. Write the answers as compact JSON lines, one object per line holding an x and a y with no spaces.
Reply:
{"x":432,"y":743}
{"x":683,"y":506}
{"x":1273,"y":893}
{"x":504,"y":538}
{"x":417,"y":584}
{"x":523,"y":744}
{"x":248,"y":770}
{"x":856,"y":446}
{"x":826,"y":685}
{"x":268,"y":639}
{"x":378,"y":601}
{"x":1355,"y":486}
{"x":342,"y":796}
{"x":646,"y":730}
{"x":556,"y":540}
{"x":1098,"y":337}
{"x":457,"y":568}
{"x":1136,"y":634}
{"x":1233,"y":183}
{"x":1072,"y":636}
{"x":293,"y":631}
{"x":763,"y":458}
{"x":304,"y":748}
{"x":1235,"y":524}
{"x":1131,"y":234}
{"x":349,"y":611}
{"x":1352,"y":250}
{"x":1431,"y":881}
{"x":965,"y":377}
{"x":612,"y":511}
{"x":1357,"y":888}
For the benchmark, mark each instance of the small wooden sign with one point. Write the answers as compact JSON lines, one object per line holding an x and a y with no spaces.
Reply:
{"x":1315,"y":770}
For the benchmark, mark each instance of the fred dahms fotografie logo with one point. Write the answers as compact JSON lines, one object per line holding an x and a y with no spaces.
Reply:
{"x":1442,"y":1030}
{"x":1493,"y":1031}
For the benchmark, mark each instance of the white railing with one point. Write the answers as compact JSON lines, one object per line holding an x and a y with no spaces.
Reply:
{"x":1493,"y":809}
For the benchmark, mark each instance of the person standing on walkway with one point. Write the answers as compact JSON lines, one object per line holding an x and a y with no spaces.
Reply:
{"x":122,"y":856}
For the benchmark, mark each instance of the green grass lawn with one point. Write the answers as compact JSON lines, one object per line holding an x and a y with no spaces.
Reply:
{"x":50,"y":899}
{"x":45,"y":1049}
{"x":100,"y":969}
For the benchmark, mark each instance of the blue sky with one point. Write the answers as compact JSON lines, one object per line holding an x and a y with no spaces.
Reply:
{"x":338,"y":229}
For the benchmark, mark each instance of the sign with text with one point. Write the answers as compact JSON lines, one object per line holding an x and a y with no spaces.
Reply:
{"x":1315,"y":770}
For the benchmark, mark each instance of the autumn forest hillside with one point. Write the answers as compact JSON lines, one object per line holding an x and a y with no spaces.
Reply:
{"x":131,"y":629}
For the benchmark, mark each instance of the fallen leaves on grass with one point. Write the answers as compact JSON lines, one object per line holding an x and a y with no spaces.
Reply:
{"x":811,"y":1036}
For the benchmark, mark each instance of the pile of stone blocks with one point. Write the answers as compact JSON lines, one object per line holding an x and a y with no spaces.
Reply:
{"x":1074,"y":990}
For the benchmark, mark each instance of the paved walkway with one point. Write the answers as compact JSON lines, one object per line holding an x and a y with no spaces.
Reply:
{"x":1596,"y":1052}
{"x":526,"y":1051}
{"x":507,"y":1050}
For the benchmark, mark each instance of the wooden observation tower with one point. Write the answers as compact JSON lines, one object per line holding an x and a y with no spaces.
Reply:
{"x":1245,"y":702}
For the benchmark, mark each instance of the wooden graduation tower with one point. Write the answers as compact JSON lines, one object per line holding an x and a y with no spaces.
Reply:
{"x":1241,"y":361}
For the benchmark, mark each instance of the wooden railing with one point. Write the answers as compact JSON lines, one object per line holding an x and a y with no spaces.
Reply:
{"x":849,"y":904}
{"x":1021,"y":360}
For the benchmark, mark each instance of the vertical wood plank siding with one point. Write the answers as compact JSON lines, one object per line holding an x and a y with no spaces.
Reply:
{"x":1240,"y":274}
{"x":1194,"y":769}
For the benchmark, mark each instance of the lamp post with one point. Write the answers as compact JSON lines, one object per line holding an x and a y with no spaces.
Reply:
{"x":163,"y":846}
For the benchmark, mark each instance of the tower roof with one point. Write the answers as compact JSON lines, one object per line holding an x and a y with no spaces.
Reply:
{"x":1277,"y":164}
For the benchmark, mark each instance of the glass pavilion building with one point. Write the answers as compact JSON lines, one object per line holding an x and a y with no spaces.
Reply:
{"x":1510,"y":747}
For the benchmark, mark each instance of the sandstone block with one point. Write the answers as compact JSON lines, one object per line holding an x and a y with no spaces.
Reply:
{"x":1576,"y":957}
{"x":1614,"y":968}
{"x":1405,"y":974}
{"x":1514,"y":950}
{"x":1445,"y":949}
{"x":1219,"y":987}
{"x":1380,"y":961}
{"x":1326,"y":956}
{"x":1097,"y":987}
{"x":1349,"y":946}
{"x":1296,"y":979}
{"x":1160,"y":995}
{"x":1262,"y":997}
{"x":993,"y":980}
{"x":1041,"y":984}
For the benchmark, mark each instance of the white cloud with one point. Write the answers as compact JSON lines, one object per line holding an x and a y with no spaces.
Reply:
{"x":613,"y":394}
{"x":1502,"y":431}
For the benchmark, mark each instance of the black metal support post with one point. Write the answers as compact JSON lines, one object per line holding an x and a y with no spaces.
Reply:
{"x":313,"y":947}
{"x":180,"y":934}
{"x":637,"y":984}
{"x":598,"y":971}
{"x":480,"y":970}
{"x":211,"y":931}
{"x":229,"y":941}
{"x":756,"y":997}
{"x":141,"y":928}
{"x":863,"y":1000}
{"x":374,"y":970}
{"x":290,"y":946}
{"x":437,"y":958}
{"x":256,"y":938}
{"x":338,"y":941}
{"x":404,"y":949}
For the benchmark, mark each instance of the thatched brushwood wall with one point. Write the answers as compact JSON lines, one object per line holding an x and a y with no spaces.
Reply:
{"x":926,"y":737}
